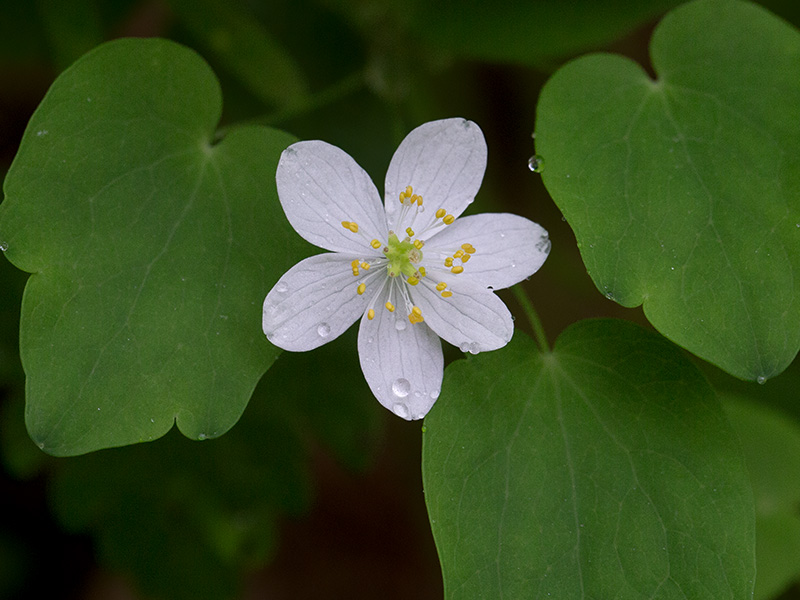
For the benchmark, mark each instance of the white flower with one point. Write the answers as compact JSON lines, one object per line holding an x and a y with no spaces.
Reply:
{"x":413,"y":272}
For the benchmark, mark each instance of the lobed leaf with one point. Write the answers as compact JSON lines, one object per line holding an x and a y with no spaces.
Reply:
{"x":683,"y":190}
{"x":605,"y":469}
{"x":151,"y":251}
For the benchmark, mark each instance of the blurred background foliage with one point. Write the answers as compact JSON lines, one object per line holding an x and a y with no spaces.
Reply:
{"x":316,"y":493}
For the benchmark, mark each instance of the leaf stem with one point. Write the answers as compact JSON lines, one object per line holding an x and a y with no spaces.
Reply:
{"x":533,"y":317}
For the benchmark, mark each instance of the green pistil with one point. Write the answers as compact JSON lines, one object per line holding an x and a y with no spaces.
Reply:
{"x":403,"y":256}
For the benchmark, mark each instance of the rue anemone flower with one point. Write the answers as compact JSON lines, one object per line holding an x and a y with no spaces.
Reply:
{"x":410,"y":268}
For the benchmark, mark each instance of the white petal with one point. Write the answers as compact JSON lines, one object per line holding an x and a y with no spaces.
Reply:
{"x":402,"y":367}
{"x":509,"y":248}
{"x":444,"y":162}
{"x":314,"y":302}
{"x":320,"y":186}
{"x":473,"y":318}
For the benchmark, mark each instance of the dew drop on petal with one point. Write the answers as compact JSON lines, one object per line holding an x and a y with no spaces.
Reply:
{"x":434,"y":394}
{"x":324,"y":330}
{"x":400,"y":324}
{"x":400,"y":409}
{"x":401,"y":388}
{"x":281,"y":287}
{"x":536,"y":163}
{"x":474,"y":348}
{"x":761,"y":379}
{"x":464,"y":347}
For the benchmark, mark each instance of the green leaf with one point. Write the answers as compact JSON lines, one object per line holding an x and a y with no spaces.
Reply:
{"x":535,"y":33}
{"x":771,"y":445}
{"x":605,"y":469}
{"x":151,"y":251}
{"x":682,"y":191}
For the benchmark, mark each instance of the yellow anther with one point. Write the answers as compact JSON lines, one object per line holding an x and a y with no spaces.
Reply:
{"x":354,"y":264}
{"x":447,"y":294}
{"x":409,"y":191}
{"x":468,"y":248}
{"x":346,"y":224}
{"x":375,"y":244}
{"x":416,"y":311}
{"x":457,"y":270}
{"x":412,"y":280}
{"x":448,"y":262}
{"x":422,"y":271}
{"x":370,"y":314}
{"x":416,"y":198}
{"x":390,"y":307}
{"x":355,"y":272}
{"x":465,"y":258}
{"x":416,"y":315}
{"x":418,"y":244}
{"x":354,"y":227}
{"x":440,"y":213}
{"x":458,"y":254}
{"x":365,"y":266}
{"x":409,"y":232}
{"x":440,"y":286}
{"x":448,"y":220}
{"x":361,"y":288}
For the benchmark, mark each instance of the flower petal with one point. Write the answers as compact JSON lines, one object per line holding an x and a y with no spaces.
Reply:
{"x":444,"y":162}
{"x":474,"y":319}
{"x":320,"y":186}
{"x":402,"y":367}
{"x":509,"y":248}
{"x":313,"y":303}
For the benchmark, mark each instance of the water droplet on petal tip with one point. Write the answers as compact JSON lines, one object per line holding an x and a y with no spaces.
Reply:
{"x":400,"y":410}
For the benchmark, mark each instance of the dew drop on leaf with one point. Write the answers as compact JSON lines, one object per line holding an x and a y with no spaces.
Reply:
{"x":761,"y":379}
{"x":536,"y":163}
{"x":3,"y":246}
{"x":401,"y":388}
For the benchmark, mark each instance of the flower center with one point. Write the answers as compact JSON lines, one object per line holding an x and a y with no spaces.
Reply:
{"x":403,"y":256}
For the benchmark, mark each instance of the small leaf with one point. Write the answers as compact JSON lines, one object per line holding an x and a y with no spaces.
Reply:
{"x":152,"y":251}
{"x":682,"y":191}
{"x":603,"y":470}
{"x":771,"y":445}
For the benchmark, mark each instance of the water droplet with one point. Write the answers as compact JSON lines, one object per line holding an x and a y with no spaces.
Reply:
{"x":324,"y":330}
{"x":400,"y":409}
{"x":202,"y":436}
{"x":42,"y":132}
{"x":399,"y":324}
{"x":401,"y":388}
{"x":464,"y":347}
{"x":417,"y":394}
{"x":3,"y":246}
{"x":370,"y":340}
{"x":536,"y":163}
{"x":281,"y":287}
{"x":474,"y":348}
{"x":434,"y":394}
{"x":424,"y":429}
{"x":761,"y":379}
{"x":609,"y":295}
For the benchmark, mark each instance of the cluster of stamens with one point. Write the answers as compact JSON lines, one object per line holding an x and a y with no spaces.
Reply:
{"x":403,"y":256}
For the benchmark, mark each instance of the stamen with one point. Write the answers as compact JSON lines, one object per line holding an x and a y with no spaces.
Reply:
{"x":371,"y":314}
{"x":410,"y":232}
{"x":416,"y":315}
{"x":350,"y":225}
{"x":375,"y":244}
{"x":465,"y":258}
{"x":390,"y":307}
{"x":468,"y":248}
{"x":447,"y":294}
{"x":422,"y":271}
{"x":417,"y":198}
{"x":457,"y":270}
{"x":361,"y":288}
{"x":412,"y":280}
{"x":440,"y":286}
{"x":448,"y":262}
{"x":448,"y":220}
{"x":365,"y":266}
{"x":418,"y":243}
{"x":458,"y":254}
{"x":440,"y":213}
